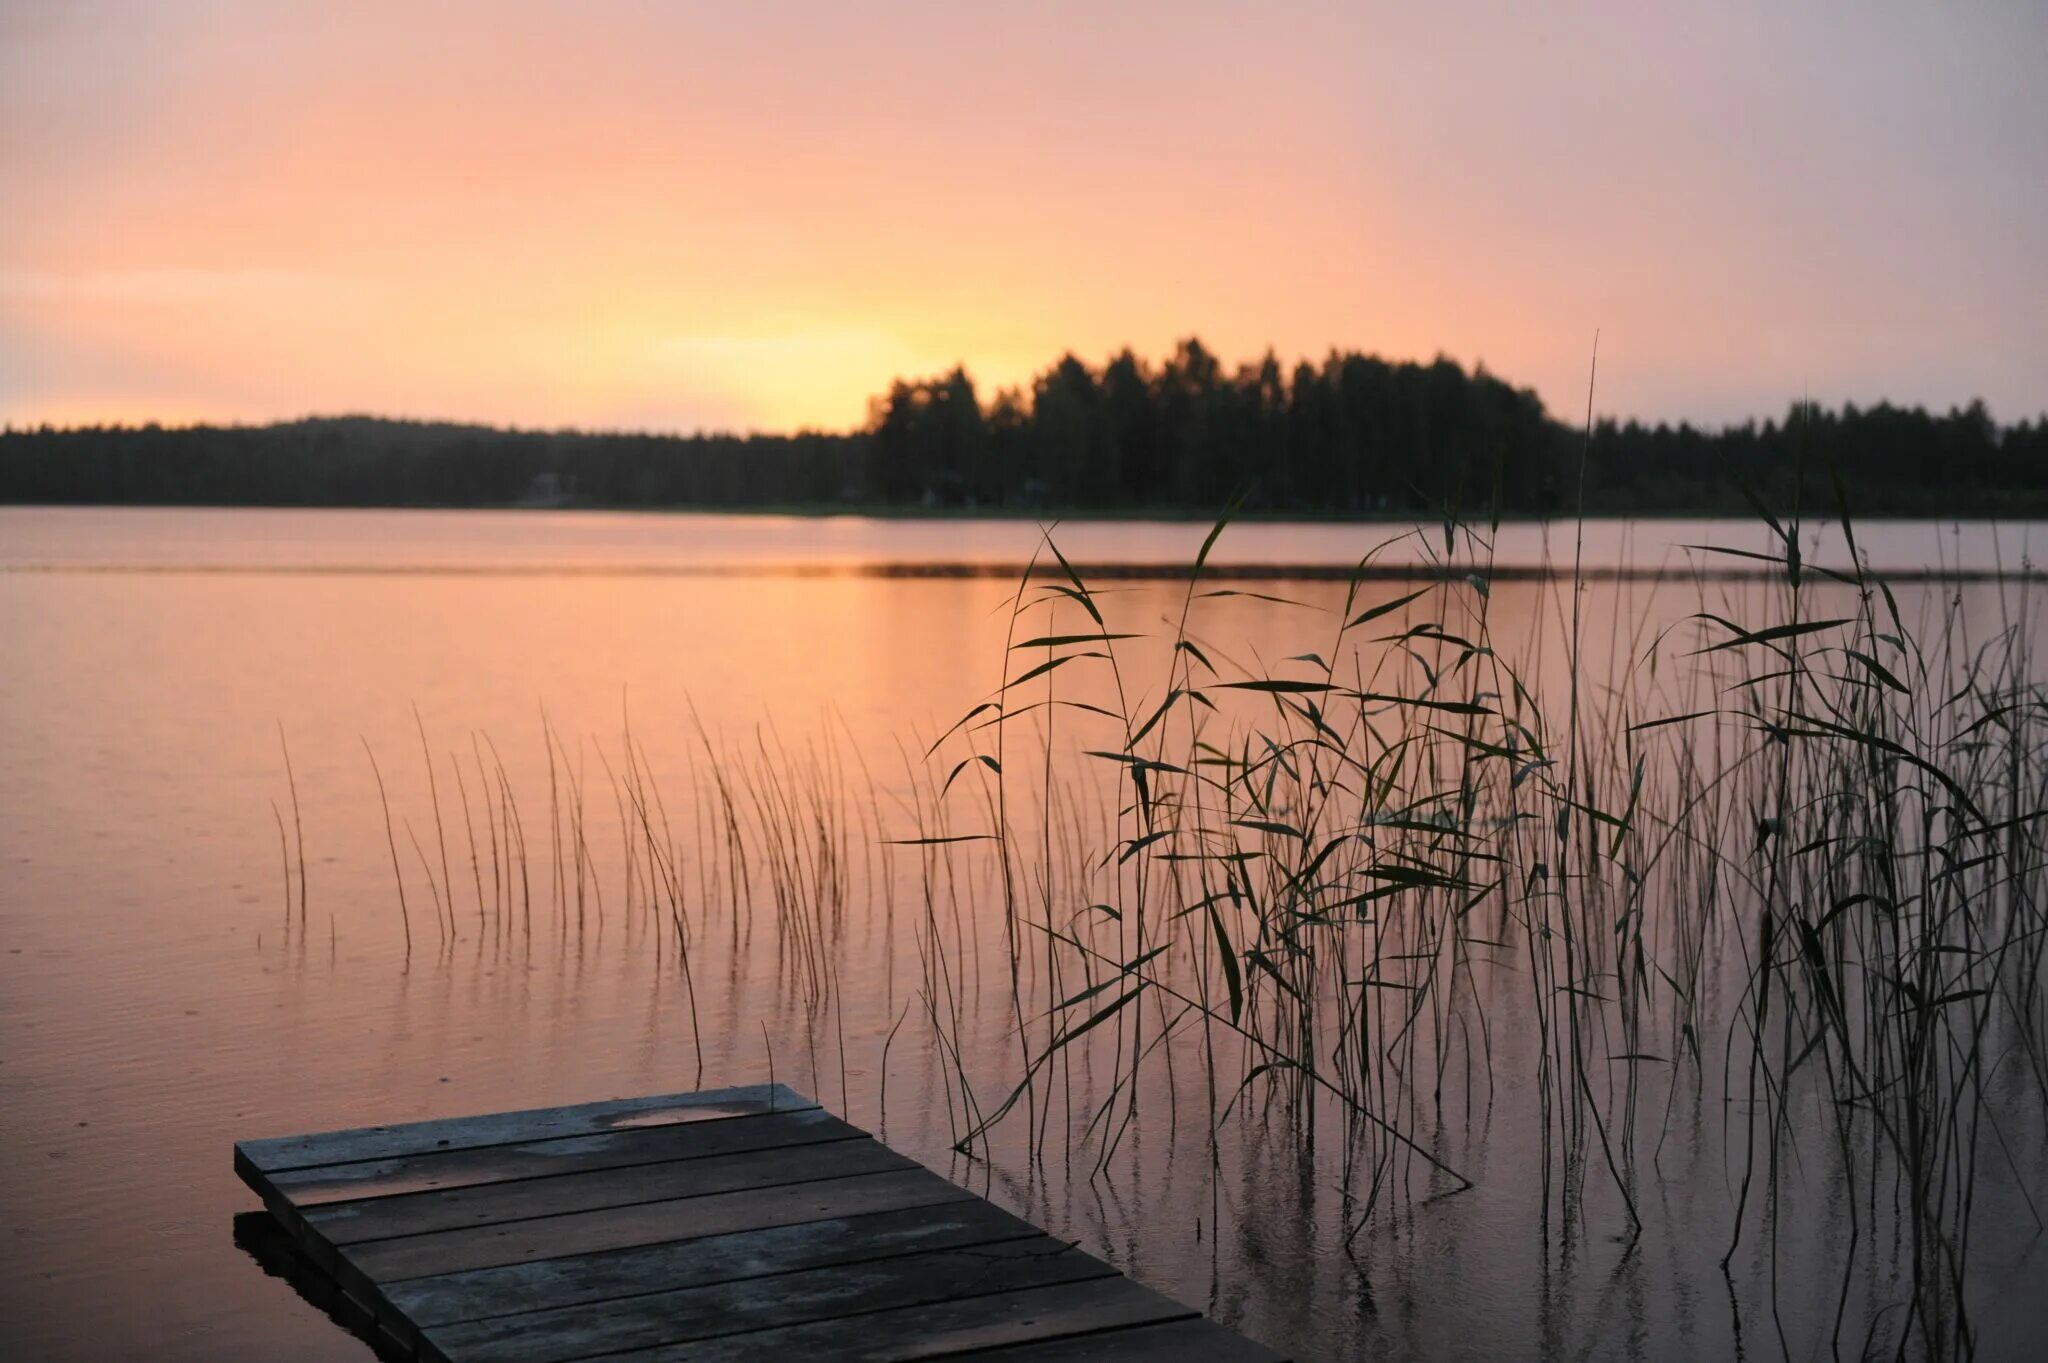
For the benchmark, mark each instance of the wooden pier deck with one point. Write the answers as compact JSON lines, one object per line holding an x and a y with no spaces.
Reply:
{"x":734,"y":1224}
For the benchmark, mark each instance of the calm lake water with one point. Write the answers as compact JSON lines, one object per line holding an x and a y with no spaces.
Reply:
{"x":158,"y":1000}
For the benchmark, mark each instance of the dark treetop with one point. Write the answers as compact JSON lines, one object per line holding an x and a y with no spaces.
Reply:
{"x":1353,"y":436}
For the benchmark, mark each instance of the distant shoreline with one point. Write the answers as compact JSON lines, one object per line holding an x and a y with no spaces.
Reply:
{"x":1357,"y":440}
{"x":1012,"y":570}
{"x":2035,"y":508}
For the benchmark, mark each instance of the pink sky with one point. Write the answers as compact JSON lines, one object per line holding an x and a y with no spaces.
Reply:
{"x":669,"y":215}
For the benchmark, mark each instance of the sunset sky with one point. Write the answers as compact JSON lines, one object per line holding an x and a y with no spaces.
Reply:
{"x":753,"y":215}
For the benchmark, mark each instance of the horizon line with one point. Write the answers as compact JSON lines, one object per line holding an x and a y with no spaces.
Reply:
{"x":1150,"y":367}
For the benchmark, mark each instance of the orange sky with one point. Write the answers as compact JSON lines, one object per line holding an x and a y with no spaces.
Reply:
{"x":669,"y":215}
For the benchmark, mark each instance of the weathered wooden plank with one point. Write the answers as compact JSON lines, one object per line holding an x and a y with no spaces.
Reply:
{"x":512,"y":1128}
{"x":755,"y":1304}
{"x":732,"y":1225}
{"x":1180,"y":1341}
{"x":599,"y":1277}
{"x":939,"y":1329}
{"x":349,"y":1223}
{"x":322,"y":1183}
{"x":647,"y":1223}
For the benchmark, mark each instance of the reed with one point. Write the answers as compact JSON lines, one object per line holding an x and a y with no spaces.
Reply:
{"x":397,"y":872}
{"x":1775,"y":872}
{"x":284,"y":851}
{"x":1322,"y":873}
{"x":298,"y":822}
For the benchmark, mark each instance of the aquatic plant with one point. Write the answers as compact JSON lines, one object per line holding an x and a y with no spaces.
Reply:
{"x":1765,"y":881}
{"x":1795,"y":863}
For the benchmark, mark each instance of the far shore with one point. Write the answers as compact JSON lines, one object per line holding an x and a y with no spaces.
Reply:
{"x":2024,"y":507}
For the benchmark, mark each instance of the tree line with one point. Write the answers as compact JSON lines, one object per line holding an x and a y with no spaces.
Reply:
{"x":1353,"y":435}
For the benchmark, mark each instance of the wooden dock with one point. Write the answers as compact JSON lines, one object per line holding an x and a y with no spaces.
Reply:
{"x":735,"y":1224}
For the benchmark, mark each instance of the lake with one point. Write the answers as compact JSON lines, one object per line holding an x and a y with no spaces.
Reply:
{"x":176,"y":973}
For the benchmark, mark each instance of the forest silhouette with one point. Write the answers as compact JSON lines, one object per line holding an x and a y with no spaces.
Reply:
{"x":1353,"y":436}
